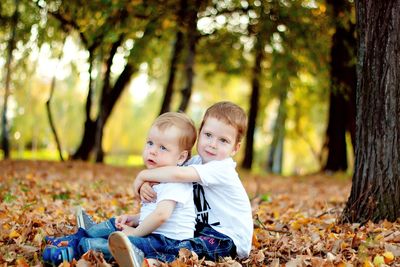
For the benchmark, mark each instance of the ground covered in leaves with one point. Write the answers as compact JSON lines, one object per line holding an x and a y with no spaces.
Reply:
{"x":295,"y":218}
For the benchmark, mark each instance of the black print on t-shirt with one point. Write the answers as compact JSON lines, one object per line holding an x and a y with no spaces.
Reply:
{"x":200,"y":201}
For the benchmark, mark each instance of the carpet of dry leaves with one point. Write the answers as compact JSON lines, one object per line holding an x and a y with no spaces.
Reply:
{"x":294,"y":218}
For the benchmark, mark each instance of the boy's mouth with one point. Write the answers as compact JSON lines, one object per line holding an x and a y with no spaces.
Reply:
{"x":210,"y":154}
{"x":151,"y":162}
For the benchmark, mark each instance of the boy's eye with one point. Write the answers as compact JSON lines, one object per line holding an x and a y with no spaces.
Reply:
{"x":150,"y":143}
{"x":207,"y":134}
{"x":163,"y":148}
{"x":223,"y":140}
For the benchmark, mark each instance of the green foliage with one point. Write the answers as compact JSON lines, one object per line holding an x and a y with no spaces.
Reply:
{"x":297,"y":35}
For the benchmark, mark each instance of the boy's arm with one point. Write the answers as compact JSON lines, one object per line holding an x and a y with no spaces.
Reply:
{"x":168,"y":174}
{"x":154,"y":220}
{"x":126,"y":219}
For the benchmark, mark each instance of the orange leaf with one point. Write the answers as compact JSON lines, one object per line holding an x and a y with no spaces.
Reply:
{"x":21,"y":262}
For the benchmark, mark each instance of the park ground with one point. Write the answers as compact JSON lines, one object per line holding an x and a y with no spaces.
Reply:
{"x":295,"y":218}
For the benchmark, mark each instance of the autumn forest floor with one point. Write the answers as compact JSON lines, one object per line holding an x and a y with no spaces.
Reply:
{"x":295,"y":218}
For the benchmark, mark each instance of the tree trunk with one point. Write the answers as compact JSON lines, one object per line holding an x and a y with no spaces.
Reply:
{"x":101,"y":118}
{"x":343,"y":83}
{"x":336,"y":134}
{"x":375,"y":192}
{"x":176,"y":53}
{"x":261,"y":39}
{"x":275,"y":158}
{"x":87,"y":141}
{"x":111,"y":95}
{"x":5,"y":142}
{"x":192,"y":38}
{"x":48,"y":106}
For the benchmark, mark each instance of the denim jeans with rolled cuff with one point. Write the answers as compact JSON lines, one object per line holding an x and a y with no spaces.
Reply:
{"x":207,"y":243}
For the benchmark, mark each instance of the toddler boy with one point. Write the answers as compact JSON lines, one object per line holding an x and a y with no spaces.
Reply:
{"x":170,"y":219}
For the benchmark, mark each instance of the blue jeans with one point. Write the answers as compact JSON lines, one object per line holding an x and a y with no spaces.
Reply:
{"x":97,"y":238}
{"x":208,"y":243}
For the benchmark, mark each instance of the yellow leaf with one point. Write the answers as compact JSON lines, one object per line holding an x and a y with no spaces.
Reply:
{"x":367,"y":263}
{"x":40,"y":209}
{"x":13,"y":234}
{"x":276,"y":214}
{"x":389,"y":257}
{"x":378,"y":237}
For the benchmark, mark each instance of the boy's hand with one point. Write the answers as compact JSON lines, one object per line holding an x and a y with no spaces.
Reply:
{"x":129,"y":231}
{"x":138,"y":183}
{"x":147,"y":194}
{"x":124,"y":220}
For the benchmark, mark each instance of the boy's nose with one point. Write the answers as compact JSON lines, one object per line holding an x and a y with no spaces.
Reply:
{"x":213,"y":143}
{"x":152,"y":151}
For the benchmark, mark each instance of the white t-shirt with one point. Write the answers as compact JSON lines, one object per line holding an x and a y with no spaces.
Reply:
{"x":181,"y":224}
{"x":225,"y":204}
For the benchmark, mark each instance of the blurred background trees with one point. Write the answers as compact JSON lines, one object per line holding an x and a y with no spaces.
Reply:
{"x":117,"y":64}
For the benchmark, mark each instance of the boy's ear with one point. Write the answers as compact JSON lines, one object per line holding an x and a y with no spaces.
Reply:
{"x":235,"y":149}
{"x":183,"y":157}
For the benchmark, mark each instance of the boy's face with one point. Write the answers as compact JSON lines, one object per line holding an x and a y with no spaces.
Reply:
{"x":162,"y":148}
{"x":217,"y":140}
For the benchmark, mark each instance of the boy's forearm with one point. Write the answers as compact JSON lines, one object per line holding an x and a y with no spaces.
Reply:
{"x":170,"y":174}
{"x":156,"y":218}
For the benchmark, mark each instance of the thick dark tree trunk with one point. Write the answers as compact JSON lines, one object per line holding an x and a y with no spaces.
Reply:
{"x":275,"y":157}
{"x":176,"y":53}
{"x":5,"y":142}
{"x":375,"y":192}
{"x":343,"y":83}
{"x":192,"y":38}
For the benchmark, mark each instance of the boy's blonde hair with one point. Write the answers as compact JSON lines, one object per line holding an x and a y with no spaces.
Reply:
{"x":181,"y":121}
{"x":230,"y":114}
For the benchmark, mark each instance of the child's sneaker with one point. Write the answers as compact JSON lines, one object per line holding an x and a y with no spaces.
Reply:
{"x":83,"y":219}
{"x":56,"y":255}
{"x":124,"y":252}
{"x":73,"y":240}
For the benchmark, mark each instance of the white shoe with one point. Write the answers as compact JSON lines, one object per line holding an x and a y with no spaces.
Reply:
{"x":124,"y":252}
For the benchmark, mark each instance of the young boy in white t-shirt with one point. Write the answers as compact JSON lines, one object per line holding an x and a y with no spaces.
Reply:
{"x":224,"y":220}
{"x":160,"y":224}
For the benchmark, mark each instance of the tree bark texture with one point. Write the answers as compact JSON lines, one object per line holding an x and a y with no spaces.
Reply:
{"x":375,"y":193}
{"x":343,"y":86}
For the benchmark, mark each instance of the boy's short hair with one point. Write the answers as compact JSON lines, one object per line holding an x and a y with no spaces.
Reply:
{"x":229,"y":113}
{"x":183,"y":123}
